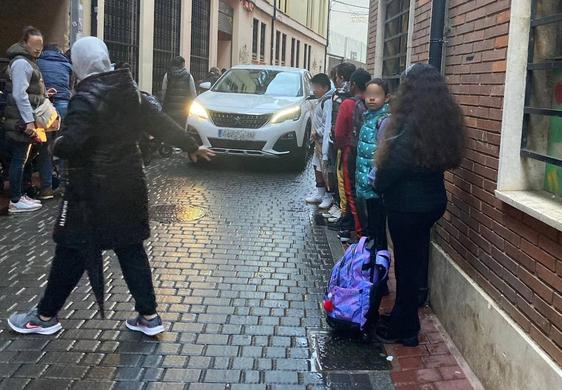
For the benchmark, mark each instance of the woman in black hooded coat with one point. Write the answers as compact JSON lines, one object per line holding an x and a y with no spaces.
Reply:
{"x":105,"y":204}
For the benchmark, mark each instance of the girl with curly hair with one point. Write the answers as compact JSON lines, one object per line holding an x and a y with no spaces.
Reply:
{"x":425,"y":137}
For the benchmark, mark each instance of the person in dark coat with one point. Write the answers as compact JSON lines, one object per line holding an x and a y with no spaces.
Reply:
{"x":178,"y":91}
{"x":425,"y":137}
{"x":57,"y":73}
{"x":105,"y":204}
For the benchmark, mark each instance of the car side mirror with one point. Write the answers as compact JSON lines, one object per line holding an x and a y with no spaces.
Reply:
{"x":206,"y":85}
{"x":311,"y":97}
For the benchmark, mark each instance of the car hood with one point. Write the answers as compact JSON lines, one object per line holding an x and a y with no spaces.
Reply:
{"x":245,"y":103}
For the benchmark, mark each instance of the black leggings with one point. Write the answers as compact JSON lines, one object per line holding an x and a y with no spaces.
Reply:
{"x":69,"y":266}
{"x":410,"y":233}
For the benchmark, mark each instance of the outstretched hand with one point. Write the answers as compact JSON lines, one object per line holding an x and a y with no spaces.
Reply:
{"x":202,"y":153}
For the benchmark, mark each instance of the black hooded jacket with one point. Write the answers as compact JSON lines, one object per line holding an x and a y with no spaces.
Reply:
{"x":105,"y":203}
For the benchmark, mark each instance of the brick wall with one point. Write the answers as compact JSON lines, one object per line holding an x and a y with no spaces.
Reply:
{"x":373,"y":15}
{"x":422,"y":27}
{"x":515,"y":258}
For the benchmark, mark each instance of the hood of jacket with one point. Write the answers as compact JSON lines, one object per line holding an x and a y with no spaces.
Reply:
{"x":89,"y":57}
{"x":175,"y":72}
{"x":18,"y":49}
{"x":54,"y":55}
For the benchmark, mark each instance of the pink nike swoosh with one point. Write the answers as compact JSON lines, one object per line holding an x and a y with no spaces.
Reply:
{"x":29,"y":325}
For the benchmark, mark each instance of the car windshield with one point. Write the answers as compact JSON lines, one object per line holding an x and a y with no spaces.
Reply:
{"x":261,"y":82}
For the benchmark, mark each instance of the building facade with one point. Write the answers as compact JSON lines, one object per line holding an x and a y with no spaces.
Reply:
{"x":496,"y":267}
{"x":148,"y":33}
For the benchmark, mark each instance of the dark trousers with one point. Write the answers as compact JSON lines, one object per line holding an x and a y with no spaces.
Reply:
{"x":373,"y":217}
{"x":20,"y":154}
{"x":69,"y":266}
{"x":410,"y":233}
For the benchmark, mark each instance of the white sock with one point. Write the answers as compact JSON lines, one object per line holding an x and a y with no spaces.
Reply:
{"x":321,"y":191}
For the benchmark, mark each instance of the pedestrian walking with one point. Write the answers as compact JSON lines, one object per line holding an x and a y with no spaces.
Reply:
{"x":28,"y":92}
{"x":347,"y":144}
{"x":178,"y":91}
{"x":377,"y":116}
{"x":321,"y":127}
{"x":57,"y":74}
{"x":105,"y":205}
{"x":425,"y":137}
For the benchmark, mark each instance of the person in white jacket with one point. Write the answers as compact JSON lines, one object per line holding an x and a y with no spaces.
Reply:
{"x":321,"y":125}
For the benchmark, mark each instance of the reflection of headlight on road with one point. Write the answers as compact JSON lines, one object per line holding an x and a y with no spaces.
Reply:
{"x":197,"y":109}
{"x":291,"y":113}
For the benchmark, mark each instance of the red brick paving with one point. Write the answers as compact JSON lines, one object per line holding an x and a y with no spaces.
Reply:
{"x":430,"y":365}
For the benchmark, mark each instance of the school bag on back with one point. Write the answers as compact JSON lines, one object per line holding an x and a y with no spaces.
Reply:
{"x":350,"y":295}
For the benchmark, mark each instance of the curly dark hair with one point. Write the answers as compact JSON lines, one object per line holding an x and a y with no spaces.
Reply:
{"x":427,"y":118}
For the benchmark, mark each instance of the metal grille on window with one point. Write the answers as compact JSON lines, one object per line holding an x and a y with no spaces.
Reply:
{"x":262,"y":43}
{"x":255,"y":33}
{"x":293,"y":54}
{"x":277,"y":47}
{"x":200,"y":39}
{"x":284,"y":49}
{"x":542,"y":123}
{"x":121,"y":32}
{"x":395,"y":40}
{"x":167,"y":20}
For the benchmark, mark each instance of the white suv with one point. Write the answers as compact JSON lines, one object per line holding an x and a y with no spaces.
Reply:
{"x":257,"y":111}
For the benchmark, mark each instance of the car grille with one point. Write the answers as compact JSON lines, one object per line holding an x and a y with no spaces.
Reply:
{"x":239,"y":121}
{"x":231,"y":144}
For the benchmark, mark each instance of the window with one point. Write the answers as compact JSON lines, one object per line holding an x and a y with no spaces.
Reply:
{"x":277,"y":46}
{"x":396,"y":18}
{"x":531,"y":143}
{"x":305,"y":55}
{"x":293,"y":52}
{"x":200,"y":39}
{"x":309,"y":56}
{"x":542,"y":121}
{"x":262,"y":43}
{"x":167,"y":22}
{"x":255,"y":39}
{"x":121,"y":32}
{"x":261,"y":82}
{"x":298,"y":58}
{"x":284,"y":49}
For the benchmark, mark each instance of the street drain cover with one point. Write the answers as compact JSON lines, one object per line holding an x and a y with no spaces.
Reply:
{"x":170,"y":213}
{"x":334,"y":352}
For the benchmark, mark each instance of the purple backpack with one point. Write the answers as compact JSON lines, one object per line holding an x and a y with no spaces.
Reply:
{"x":349,"y":296}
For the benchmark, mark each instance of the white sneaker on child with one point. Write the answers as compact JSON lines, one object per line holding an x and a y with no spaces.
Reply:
{"x":334,"y":209}
{"x":317,"y":197}
{"x":327,"y":202}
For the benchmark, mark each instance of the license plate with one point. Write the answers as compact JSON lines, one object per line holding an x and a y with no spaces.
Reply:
{"x":237,"y":135}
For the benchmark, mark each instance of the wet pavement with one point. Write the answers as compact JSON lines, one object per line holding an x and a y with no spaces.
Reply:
{"x":239,"y":269}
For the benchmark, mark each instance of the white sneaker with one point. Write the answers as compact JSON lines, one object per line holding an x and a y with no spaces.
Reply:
{"x":334,"y":209}
{"x":335,"y":217}
{"x":317,"y":197}
{"x":327,"y":202}
{"x":22,"y":207}
{"x":27,"y":199}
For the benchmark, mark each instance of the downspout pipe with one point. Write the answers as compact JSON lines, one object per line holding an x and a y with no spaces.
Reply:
{"x":436,"y":40}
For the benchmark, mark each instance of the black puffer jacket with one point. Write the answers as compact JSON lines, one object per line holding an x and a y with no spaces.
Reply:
{"x":179,"y":93}
{"x":405,"y":187}
{"x":105,"y":203}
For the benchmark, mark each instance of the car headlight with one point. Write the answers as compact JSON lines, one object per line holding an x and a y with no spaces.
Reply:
{"x":291,"y":113}
{"x":197,"y":109}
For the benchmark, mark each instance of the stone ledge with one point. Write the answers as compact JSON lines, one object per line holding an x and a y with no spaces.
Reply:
{"x":538,"y":204}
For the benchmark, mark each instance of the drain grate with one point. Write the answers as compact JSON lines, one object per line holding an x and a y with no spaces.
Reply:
{"x":332,"y":351}
{"x":170,"y":213}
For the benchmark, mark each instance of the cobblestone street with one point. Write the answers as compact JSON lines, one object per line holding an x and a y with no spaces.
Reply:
{"x":238,"y":289}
